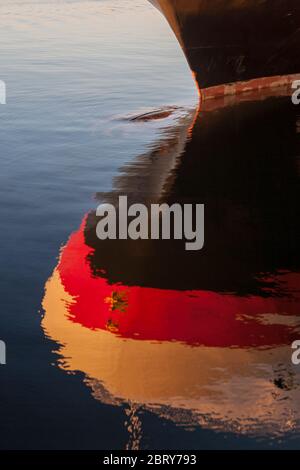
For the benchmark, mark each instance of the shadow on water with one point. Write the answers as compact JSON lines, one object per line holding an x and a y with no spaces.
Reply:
{"x":202,"y":339}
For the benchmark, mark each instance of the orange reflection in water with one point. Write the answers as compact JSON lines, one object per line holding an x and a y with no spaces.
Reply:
{"x":225,"y":359}
{"x":197,"y":357}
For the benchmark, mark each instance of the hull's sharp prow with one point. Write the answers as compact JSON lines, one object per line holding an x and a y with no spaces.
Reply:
{"x":254,"y":44}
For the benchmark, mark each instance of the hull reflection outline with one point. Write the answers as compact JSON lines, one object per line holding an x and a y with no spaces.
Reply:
{"x":202,"y":339}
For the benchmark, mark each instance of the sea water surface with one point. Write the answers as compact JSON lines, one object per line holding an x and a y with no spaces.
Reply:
{"x":121,"y":345}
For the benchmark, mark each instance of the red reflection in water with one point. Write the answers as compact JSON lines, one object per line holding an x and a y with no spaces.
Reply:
{"x":195,"y":317}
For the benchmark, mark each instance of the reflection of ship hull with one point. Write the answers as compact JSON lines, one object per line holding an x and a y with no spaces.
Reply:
{"x":227,"y":41}
{"x":194,"y":318}
{"x":146,"y":360}
{"x":203,"y":340}
{"x":246,"y":190}
{"x":225,"y":382}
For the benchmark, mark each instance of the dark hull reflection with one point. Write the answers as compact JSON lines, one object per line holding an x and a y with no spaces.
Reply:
{"x":242,"y":163}
{"x":201,"y":338}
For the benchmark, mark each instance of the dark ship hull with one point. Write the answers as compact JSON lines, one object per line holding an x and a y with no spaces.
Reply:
{"x":234,"y":41}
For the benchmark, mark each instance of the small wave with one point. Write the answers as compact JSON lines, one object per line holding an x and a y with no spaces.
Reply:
{"x":153,"y":114}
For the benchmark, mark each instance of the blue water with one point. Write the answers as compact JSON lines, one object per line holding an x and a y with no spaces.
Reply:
{"x":72,"y":70}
